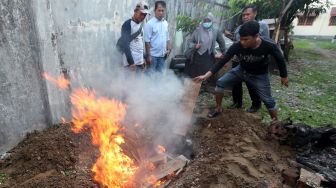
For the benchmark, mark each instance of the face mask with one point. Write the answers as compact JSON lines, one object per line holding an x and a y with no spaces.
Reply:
{"x":207,"y":25}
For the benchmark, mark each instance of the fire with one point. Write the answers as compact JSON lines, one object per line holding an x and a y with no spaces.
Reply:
{"x":161,"y":149}
{"x":159,"y":183}
{"x":102,"y":116}
{"x":61,"y":82}
{"x":151,"y":166}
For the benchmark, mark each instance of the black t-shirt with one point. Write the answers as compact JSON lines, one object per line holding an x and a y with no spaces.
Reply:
{"x":254,"y":61}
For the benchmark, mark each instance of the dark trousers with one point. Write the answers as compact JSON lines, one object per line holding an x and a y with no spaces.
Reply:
{"x":237,"y":92}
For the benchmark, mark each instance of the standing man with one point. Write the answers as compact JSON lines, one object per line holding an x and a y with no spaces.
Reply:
{"x":157,"y":38}
{"x":131,"y":41}
{"x":252,"y":52}
{"x":249,"y":14}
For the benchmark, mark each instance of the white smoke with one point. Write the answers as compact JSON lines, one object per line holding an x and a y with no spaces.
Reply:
{"x":153,"y":99}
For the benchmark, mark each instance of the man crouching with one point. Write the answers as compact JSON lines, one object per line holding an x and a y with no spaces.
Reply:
{"x":252,"y":52}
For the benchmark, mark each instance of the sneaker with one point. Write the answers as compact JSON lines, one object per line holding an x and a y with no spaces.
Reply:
{"x":213,"y":114}
{"x":235,"y":106}
{"x":253,"y":109}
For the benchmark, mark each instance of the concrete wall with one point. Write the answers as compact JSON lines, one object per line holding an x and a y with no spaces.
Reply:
{"x":74,"y":38}
{"x":320,"y":27}
{"x":23,"y":97}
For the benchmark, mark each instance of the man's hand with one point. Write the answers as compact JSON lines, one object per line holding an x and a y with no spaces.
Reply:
{"x":200,"y":78}
{"x":168,"y":52}
{"x":198,"y":45}
{"x":149,"y":60}
{"x":203,"y":77}
{"x":284,"y":81}
{"x":132,"y":67}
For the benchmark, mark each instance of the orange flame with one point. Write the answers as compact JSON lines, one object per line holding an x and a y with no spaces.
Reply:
{"x":161,"y":149}
{"x":113,"y":169}
{"x":159,"y":183}
{"x":153,"y":181}
{"x":151,"y":166}
{"x":102,"y":116}
{"x":61,"y":82}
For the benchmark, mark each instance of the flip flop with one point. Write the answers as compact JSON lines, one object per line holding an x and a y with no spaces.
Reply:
{"x":213,"y":114}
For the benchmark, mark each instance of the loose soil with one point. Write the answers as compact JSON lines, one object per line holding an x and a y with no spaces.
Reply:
{"x":232,"y":150}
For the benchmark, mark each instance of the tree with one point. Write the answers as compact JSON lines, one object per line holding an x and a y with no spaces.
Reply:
{"x":285,"y":10}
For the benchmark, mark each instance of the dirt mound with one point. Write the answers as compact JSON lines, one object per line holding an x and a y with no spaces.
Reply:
{"x":234,"y":150}
{"x":51,"y":158}
{"x":231,"y":151}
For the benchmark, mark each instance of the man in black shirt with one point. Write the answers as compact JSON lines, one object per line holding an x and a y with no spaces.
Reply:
{"x":252,"y":52}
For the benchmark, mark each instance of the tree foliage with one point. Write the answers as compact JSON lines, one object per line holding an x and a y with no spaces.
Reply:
{"x":186,"y":24}
{"x":272,"y":8}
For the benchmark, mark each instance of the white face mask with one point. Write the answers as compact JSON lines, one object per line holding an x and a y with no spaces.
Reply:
{"x":207,"y":25}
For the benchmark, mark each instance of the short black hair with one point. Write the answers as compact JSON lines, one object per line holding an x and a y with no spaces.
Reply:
{"x":250,"y":28}
{"x":162,"y":3}
{"x":253,"y":7}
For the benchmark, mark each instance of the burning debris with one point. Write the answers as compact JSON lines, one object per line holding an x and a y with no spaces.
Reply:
{"x":317,"y":147}
{"x":122,"y":162}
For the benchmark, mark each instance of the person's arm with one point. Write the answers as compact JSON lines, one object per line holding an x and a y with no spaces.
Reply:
{"x":148,"y":47}
{"x":236,"y":34}
{"x":147,"y":37}
{"x":227,"y":57}
{"x":265,"y":30}
{"x":221,"y":41}
{"x":281,"y":62}
{"x":126,"y":38}
{"x":168,"y":48}
{"x":191,"y":44}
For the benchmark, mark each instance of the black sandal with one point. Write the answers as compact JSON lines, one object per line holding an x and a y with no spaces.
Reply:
{"x":213,"y":114}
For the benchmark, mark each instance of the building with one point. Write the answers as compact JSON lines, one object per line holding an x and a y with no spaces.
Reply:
{"x":320,"y":26}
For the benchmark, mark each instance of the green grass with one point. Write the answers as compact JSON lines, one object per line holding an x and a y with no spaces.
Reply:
{"x":311,"y":44}
{"x":311,"y":97}
{"x":2,"y":178}
{"x":326,"y":45}
{"x":302,"y":44}
{"x":308,"y":54}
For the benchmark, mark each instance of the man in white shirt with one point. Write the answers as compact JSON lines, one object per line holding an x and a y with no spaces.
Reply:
{"x":157,"y":40}
{"x":132,"y":38}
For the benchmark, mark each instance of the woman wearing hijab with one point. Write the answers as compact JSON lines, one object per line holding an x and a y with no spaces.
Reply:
{"x":201,"y":48}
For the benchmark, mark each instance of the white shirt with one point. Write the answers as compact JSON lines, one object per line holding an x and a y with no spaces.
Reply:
{"x":157,"y":34}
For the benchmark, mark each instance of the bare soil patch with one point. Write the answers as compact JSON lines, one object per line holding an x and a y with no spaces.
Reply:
{"x":232,"y":150}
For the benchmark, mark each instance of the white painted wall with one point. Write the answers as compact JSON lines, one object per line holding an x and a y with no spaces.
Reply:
{"x":320,"y":26}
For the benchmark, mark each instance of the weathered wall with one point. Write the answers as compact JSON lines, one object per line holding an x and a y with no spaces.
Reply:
{"x":74,"y":38}
{"x":23,"y":98}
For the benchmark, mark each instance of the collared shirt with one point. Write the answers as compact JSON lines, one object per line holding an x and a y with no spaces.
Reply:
{"x":157,"y":34}
{"x":263,"y":31}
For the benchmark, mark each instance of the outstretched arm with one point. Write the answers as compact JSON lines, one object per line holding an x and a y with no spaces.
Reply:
{"x":280,"y":59}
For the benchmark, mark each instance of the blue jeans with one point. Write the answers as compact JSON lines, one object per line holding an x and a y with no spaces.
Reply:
{"x":158,"y":64}
{"x":259,"y":82}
